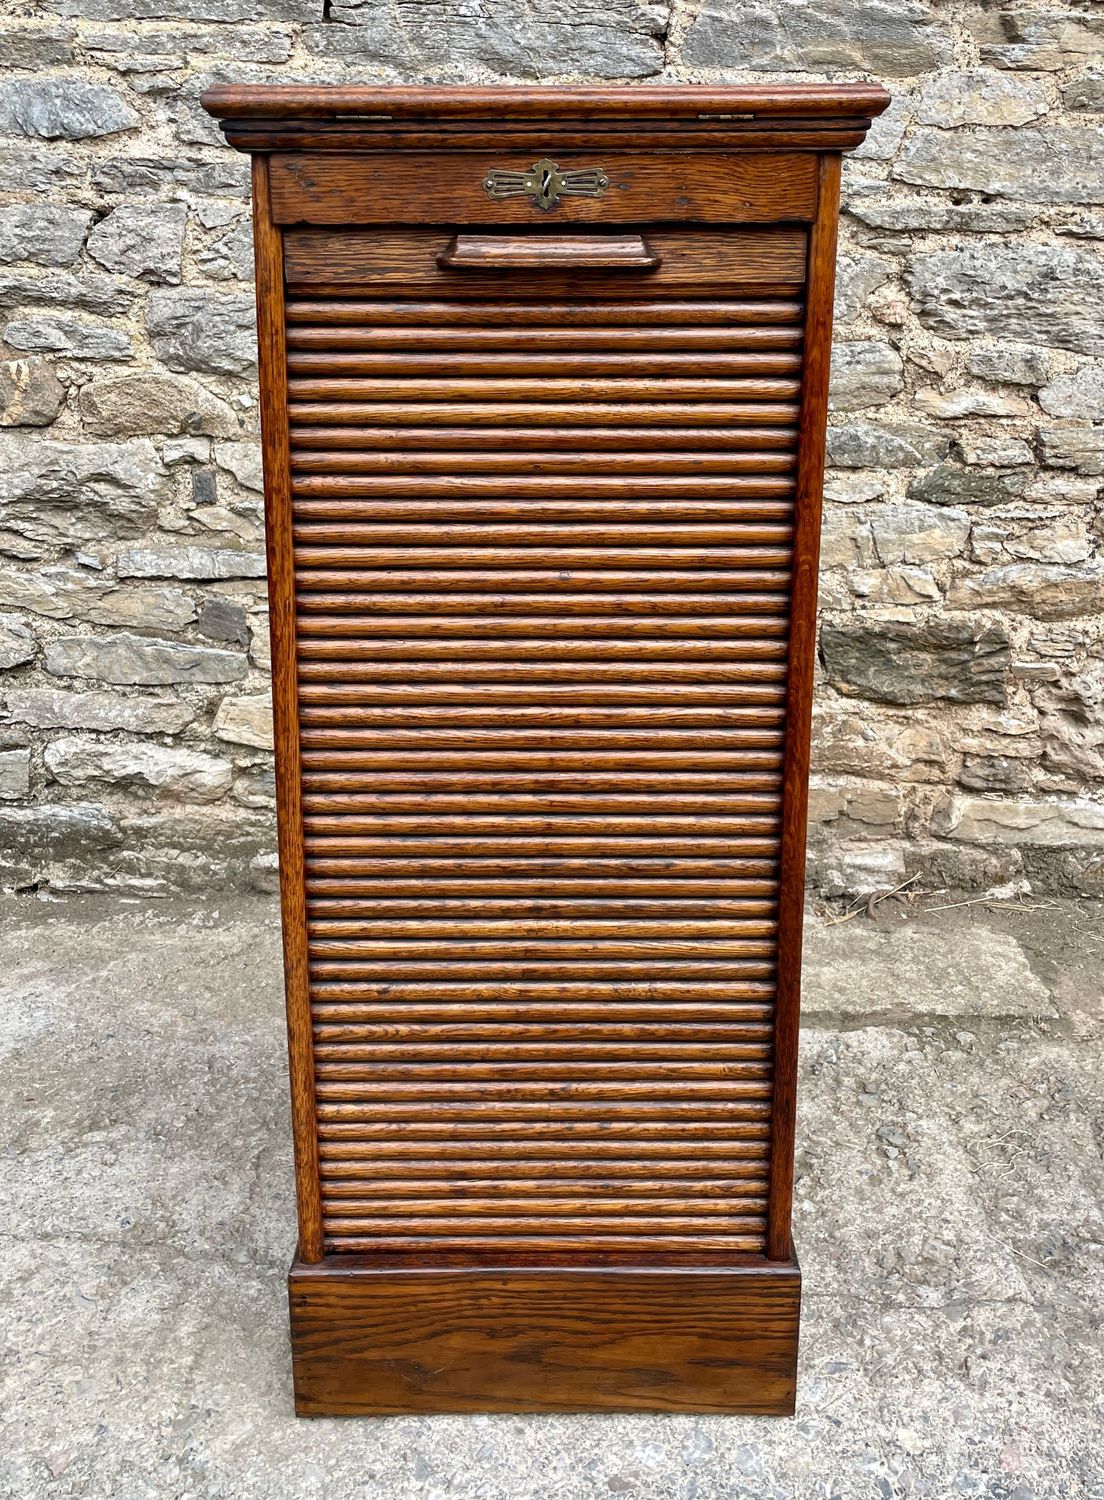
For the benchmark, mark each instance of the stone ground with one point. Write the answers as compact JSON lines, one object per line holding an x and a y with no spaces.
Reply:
{"x":949,"y":1218}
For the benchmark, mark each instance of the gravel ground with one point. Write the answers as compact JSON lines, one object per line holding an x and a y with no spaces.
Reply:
{"x":949,"y":1209}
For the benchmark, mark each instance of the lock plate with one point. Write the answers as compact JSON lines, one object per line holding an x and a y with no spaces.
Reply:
{"x":545,"y":183}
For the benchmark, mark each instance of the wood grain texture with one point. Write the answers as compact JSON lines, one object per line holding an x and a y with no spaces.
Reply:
{"x":372,"y":1341}
{"x":281,"y":587}
{"x":409,"y":187}
{"x":799,"y":707}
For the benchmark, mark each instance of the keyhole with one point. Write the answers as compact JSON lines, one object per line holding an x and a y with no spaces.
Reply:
{"x":546,"y":183}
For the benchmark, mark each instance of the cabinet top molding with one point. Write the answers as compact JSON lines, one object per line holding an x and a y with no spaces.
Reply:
{"x":258,"y":117}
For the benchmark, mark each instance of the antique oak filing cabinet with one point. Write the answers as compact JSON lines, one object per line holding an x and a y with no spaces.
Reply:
{"x":543,"y":389}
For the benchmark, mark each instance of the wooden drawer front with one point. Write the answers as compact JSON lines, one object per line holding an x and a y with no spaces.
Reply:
{"x":410,"y":261}
{"x":543,"y":568}
{"x":380,"y":187}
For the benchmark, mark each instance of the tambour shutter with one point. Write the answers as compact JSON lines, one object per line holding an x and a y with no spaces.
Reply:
{"x":542,"y":489}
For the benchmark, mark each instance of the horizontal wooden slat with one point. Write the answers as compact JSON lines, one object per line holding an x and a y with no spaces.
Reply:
{"x":519,"y":313}
{"x":399,"y":365}
{"x":576,"y":446}
{"x":349,"y":460}
{"x":674,"y":411}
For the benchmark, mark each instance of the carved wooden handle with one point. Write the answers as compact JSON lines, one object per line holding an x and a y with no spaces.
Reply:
{"x":552,"y":252}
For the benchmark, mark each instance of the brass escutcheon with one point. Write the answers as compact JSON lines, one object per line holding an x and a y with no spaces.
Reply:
{"x":545,"y":183}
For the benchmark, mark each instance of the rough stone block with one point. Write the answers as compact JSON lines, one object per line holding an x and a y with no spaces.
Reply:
{"x":42,"y":233}
{"x":57,"y":708}
{"x":72,"y":338}
{"x":245,"y":721}
{"x":144,"y":242}
{"x":1079,"y":448}
{"x":141,"y":660}
{"x":1078,"y":394}
{"x":201,"y":563}
{"x":168,"y":771}
{"x":864,"y":374}
{"x":905,"y":533}
{"x":15,"y":775}
{"x":18,"y":642}
{"x":1047,"y":591}
{"x":64,"y":593}
{"x":80,"y":491}
{"x":134,"y":405}
{"x":1033,"y":293}
{"x":896,"y":40}
{"x":900,"y":445}
{"x":951,"y":484}
{"x":208,"y":332}
{"x":904,"y":662}
{"x":978,"y":96}
{"x":31,"y":395}
{"x":982,"y":820}
{"x":63,"y":108}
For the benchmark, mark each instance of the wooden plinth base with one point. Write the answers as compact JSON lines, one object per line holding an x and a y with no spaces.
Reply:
{"x":372,"y":1340}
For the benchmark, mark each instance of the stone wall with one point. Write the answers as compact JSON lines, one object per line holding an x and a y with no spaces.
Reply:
{"x":960,"y":707}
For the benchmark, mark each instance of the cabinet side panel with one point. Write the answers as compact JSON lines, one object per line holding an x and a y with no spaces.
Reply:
{"x":802,"y":654}
{"x":268,"y":252}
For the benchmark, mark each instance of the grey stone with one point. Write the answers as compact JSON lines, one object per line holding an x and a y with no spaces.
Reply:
{"x":993,"y":452}
{"x":133,"y":176}
{"x":905,"y":533}
{"x":1000,"y":362}
{"x":917,"y":662}
{"x":66,"y":593}
{"x":60,"y":108}
{"x":895,"y":40}
{"x":80,"y":491}
{"x":15,"y":775}
{"x":170,"y":44}
{"x":992,"y":773}
{"x":133,"y":405}
{"x":18,"y":642}
{"x":1046,"y":591}
{"x":953,"y":405}
{"x":225,"y":11}
{"x":141,"y":660}
{"x":513,"y":39}
{"x":857,"y":277}
{"x":31,"y":395}
{"x":245,"y":721}
{"x":951,"y":484}
{"x":185,"y":450}
{"x":43,"y":233}
{"x":1079,"y":394}
{"x":1085,"y":93}
{"x":56,"y":708}
{"x":1079,"y":448}
{"x":1062,"y":164}
{"x":27,"y":44}
{"x":990,"y":820}
{"x":886,"y":131}
{"x":978,"y":96}
{"x":230,"y":256}
{"x":35,"y":840}
{"x":168,"y":771}
{"x":72,"y":338}
{"x":46,"y":170}
{"x":204,"y":563}
{"x":255,"y":787}
{"x":1030,"y":293}
{"x":894,"y":223}
{"x":1041,"y":40}
{"x":855,"y":970}
{"x":864,"y":445}
{"x":90,"y":292}
{"x":146,"y":243}
{"x":243,"y":460}
{"x":864,"y":374}
{"x":209,"y":332}
{"x":222,"y":620}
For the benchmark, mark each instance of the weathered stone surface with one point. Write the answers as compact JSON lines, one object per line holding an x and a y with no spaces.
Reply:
{"x":1032,"y":293}
{"x":168,"y":771}
{"x":512,"y":39}
{"x":951,"y":484}
{"x":91,"y":292}
{"x":224,"y":11}
{"x":72,"y":338}
{"x":1079,"y":448}
{"x":223,"y":620}
{"x":904,"y":533}
{"x":864,"y":374}
{"x":245,"y":721}
{"x":35,"y":44}
{"x":1009,"y":365}
{"x":979,"y":820}
{"x":895,"y":40}
{"x":146,"y":243}
{"x":79,"y":491}
{"x":922,"y":662}
{"x":900,"y":445}
{"x":56,"y":708}
{"x":173,"y":45}
{"x":978,"y":96}
{"x":205,"y":563}
{"x":890,"y":226}
{"x":1036,"y":39}
{"x":857,"y":277}
{"x":31,"y":395}
{"x":15,"y":775}
{"x":208,"y":332}
{"x":61,"y":108}
{"x":1059,"y":165}
{"x":992,"y":452}
{"x":1085,"y":93}
{"x":243,"y":460}
{"x":67,"y":593}
{"x":1046,"y":591}
{"x":134,"y":405}
{"x":18,"y":642}
{"x":43,"y":233}
{"x":230,"y":256}
{"x":952,"y":405}
{"x":1079,"y":394}
{"x":140,"y":660}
